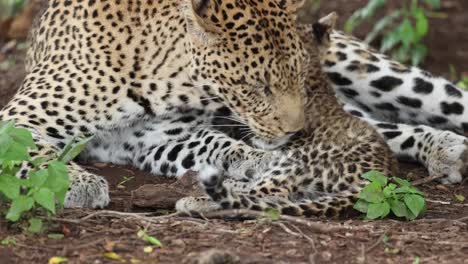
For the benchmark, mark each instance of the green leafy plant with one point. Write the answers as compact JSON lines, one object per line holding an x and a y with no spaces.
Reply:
{"x":10,"y":7}
{"x":383,"y":195}
{"x":402,"y":31}
{"x":461,"y":79}
{"x":463,"y":83}
{"x":46,"y":183}
{"x":8,"y":241}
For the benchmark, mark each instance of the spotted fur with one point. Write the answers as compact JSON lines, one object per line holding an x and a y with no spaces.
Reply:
{"x":421,"y":117}
{"x":146,"y":77}
{"x":318,"y":173}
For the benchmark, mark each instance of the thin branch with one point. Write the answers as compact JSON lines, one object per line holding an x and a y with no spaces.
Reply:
{"x":139,"y":216}
{"x":315,"y":226}
{"x":426,"y":180}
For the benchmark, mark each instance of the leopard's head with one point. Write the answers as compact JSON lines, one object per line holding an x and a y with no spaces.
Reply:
{"x":248,"y":52}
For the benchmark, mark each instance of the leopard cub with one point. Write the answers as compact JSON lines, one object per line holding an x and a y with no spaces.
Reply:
{"x":318,"y":173}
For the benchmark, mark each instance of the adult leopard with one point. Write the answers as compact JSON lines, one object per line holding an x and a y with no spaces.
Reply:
{"x":146,"y":77}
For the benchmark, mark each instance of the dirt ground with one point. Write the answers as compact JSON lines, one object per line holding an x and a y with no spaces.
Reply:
{"x":440,"y":237}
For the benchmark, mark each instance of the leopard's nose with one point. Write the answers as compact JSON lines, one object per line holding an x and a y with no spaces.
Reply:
{"x":294,"y":122}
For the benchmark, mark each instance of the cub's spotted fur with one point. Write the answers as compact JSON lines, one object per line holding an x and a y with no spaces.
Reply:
{"x":317,"y":172}
{"x":294,"y":179}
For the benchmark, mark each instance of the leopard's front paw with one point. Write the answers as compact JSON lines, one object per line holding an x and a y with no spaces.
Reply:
{"x":87,"y":191}
{"x":448,"y":157}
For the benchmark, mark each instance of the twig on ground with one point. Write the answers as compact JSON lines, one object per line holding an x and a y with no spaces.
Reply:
{"x":138,"y":216}
{"x":63,"y":220}
{"x":377,"y":243}
{"x":438,"y":202}
{"x":461,"y":219}
{"x":315,"y":226}
{"x":287,"y":230}
{"x":311,"y":241}
{"x":426,"y":180}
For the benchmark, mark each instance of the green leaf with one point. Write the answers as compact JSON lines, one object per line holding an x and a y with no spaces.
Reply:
{"x":372,"y":193}
{"x":401,"y":182}
{"x":382,"y":24}
{"x":38,"y":161}
{"x":5,"y":144}
{"x":150,"y":239}
{"x":389,"y":41}
{"x":385,"y":239}
{"x":362,"y":14}
{"x":55,"y":236}
{"x":38,"y":178}
{"x":60,"y":196}
{"x":415,"y":203}
{"x":388,"y":191}
{"x":45,"y":198}
{"x":375,"y":176}
{"x":58,"y":177}
{"x":433,"y":3}
{"x":460,"y":197}
{"x":35,"y":225}
{"x":422,"y":25}
{"x":20,"y":205}
{"x":378,"y":210}
{"x":399,"y":208}
{"x":418,"y":54}
{"x":23,"y":137}
{"x":361,"y":206}
{"x":406,"y":32}
{"x":16,"y":152}
{"x":10,"y":186}
{"x":70,"y":152}
{"x":272,"y":213}
{"x":6,"y":127}
{"x":8,"y":241}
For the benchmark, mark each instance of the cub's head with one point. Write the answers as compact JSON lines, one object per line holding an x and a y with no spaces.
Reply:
{"x":251,"y":56}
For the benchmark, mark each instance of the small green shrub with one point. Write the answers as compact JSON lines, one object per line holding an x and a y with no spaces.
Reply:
{"x":402,"y":31}
{"x":463,"y":83}
{"x":10,"y":7}
{"x":47,"y":182}
{"x":382,"y":196}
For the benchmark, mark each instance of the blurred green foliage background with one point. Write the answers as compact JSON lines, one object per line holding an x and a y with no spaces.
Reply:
{"x":10,"y":7}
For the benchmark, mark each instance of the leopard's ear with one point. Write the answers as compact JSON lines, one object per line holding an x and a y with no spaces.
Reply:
{"x":324,"y":27}
{"x":200,"y":28}
{"x":292,"y":6}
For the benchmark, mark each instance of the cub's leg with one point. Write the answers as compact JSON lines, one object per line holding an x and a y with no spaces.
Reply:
{"x":443,"y":153}
{"x":291,"y":198}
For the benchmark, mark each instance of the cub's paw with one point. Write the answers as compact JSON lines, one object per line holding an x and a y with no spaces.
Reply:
{"x":196,"y":205}
{"x":87,"y":191}
{"x":448,"y":157}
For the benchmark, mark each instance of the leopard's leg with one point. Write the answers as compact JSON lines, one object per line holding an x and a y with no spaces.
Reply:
{"x":172,"y":146}
{"x":390,"y":91}
{"x":86,"y":189}
{"x":443,"y":153}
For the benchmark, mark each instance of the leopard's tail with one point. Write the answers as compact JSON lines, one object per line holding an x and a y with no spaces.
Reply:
{"x":328,"y":205}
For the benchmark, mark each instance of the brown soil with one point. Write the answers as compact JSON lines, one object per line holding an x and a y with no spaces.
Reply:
{"x":440,"y":237}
